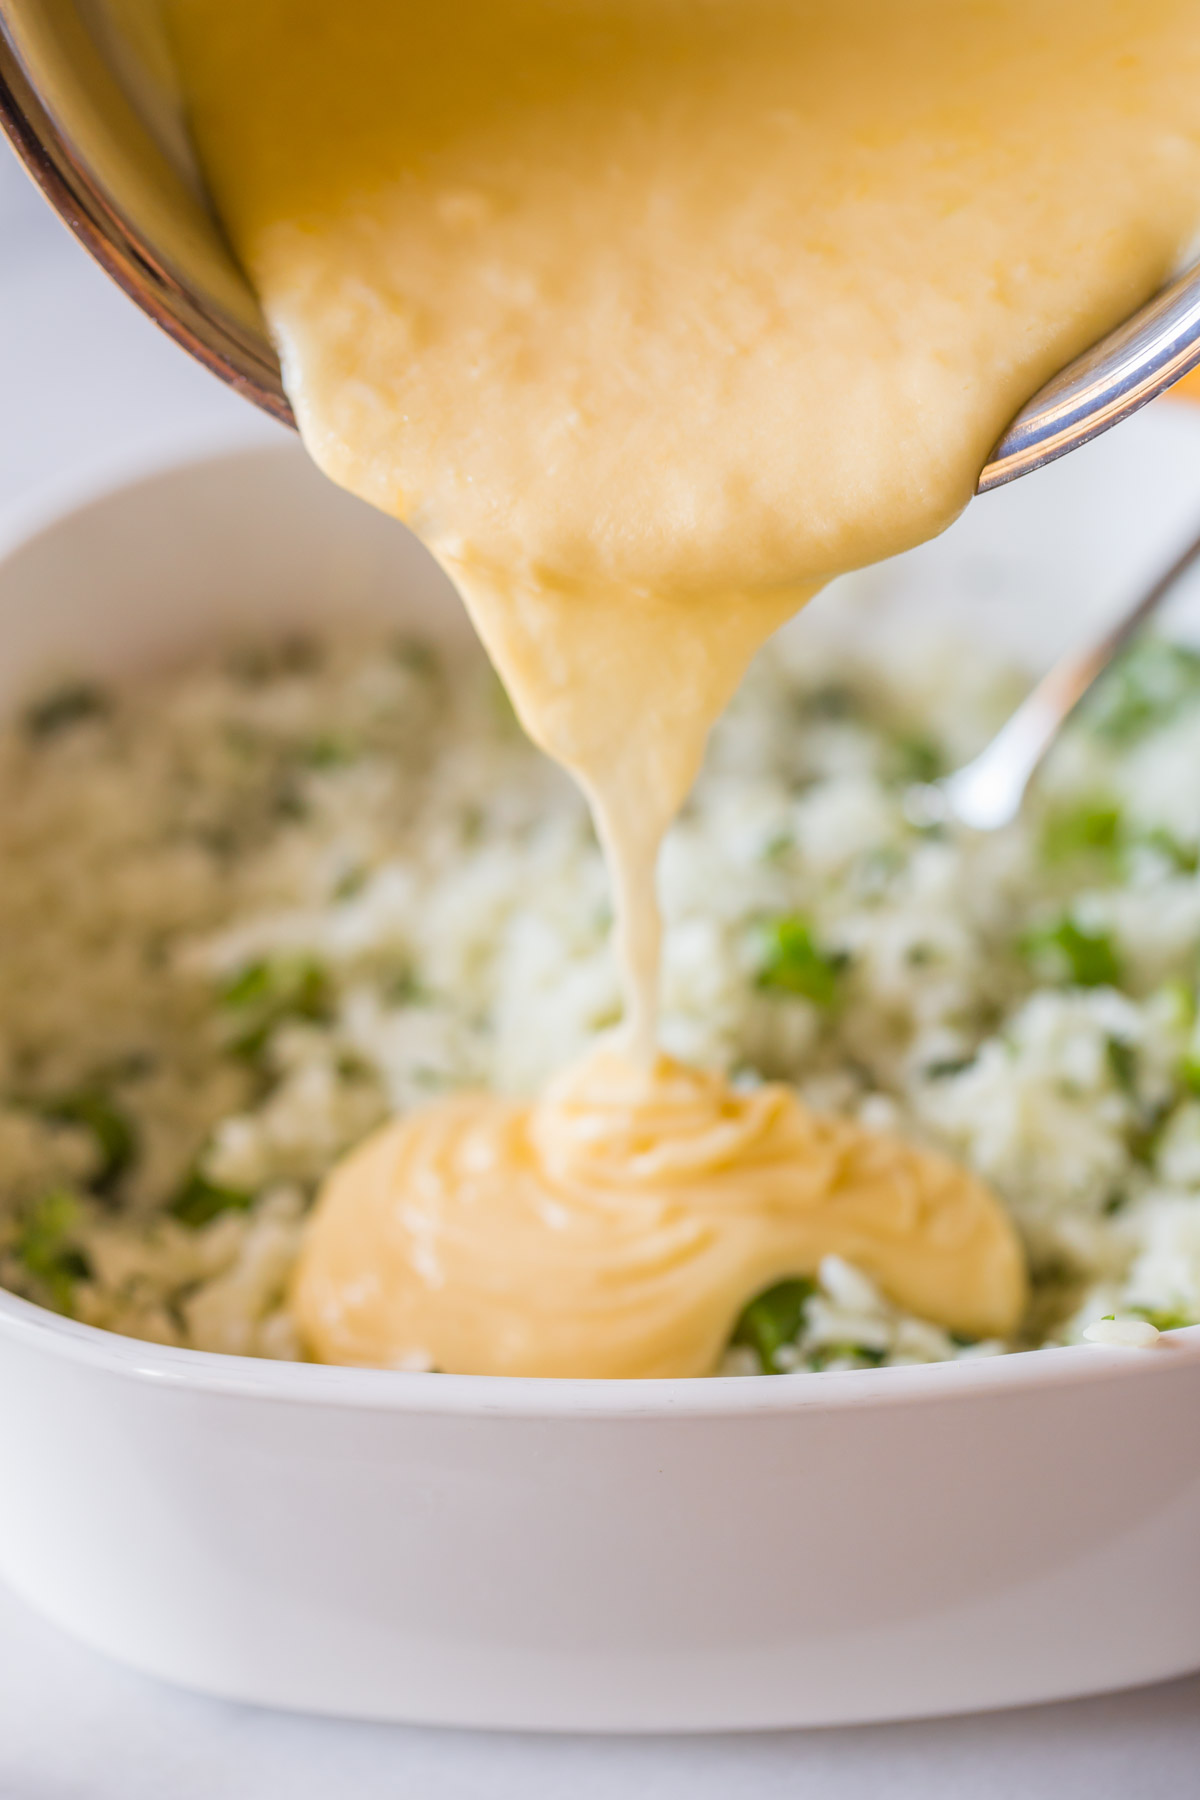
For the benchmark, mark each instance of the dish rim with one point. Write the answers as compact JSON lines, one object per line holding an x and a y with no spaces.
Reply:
{"x":543,"y":1397}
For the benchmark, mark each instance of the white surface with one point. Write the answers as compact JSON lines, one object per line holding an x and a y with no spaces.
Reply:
{"x":78,"y":1728}
{"x":82,"y":380}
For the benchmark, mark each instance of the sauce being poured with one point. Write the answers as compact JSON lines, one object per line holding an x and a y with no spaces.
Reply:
{"x":650,"y":316}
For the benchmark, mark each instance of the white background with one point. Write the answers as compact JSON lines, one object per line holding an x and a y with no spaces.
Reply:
{"x":87,"y":384}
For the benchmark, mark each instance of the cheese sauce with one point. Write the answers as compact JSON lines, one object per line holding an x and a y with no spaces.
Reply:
{"x":650,"y":316}
{"x":618,"y":1226}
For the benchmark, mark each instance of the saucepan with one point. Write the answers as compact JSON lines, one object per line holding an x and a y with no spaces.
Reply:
{"x":86,"y":95}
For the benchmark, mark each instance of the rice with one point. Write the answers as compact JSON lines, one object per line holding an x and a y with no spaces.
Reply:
{"x":250,"y":910}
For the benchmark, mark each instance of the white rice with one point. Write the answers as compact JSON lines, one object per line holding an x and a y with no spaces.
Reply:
{"x":248,"y":911}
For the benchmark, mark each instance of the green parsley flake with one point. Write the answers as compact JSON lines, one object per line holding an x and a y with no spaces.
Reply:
{"x":1085,"y":958}
{"x":793,"y":963}
{"x":774,"y":1318}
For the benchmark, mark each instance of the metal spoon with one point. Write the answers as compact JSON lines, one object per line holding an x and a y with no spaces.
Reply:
{"x":987,"y":792}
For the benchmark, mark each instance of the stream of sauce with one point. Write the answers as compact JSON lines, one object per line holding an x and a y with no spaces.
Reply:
{"x":651,"y":316}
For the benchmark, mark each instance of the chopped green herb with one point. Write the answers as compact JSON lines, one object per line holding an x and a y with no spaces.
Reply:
{"x":835,"y":700}
{"x":772,"y":1319}
{"x":266,"y":993}
{"x":1122,"y":1061}
{"x":918,"y":758}
{"x":351,"y":883}
{"x":290,"y":803}
{"x":252,"y":984}
{"x":417,"y":656}
{"x":248,"y":1046}
{"x":1089,"y":830}
{"x":793,"y":963}
{"x":867,"y":1356}
{"x":402,"y":988}
{"x":1183,"y":857}
{"x":942,"y":1071}
{"x":256,"y":664}
{"x":63,"y":707}
{"x":133,"y":1065}
{"x":1180,"y":996}
{"x":220,"y":841}
{"x":1144,"y":689}
{"x":1146,"y":1135}
{"x":1087,"y":958}
{"x":329,"y":752}
{"x":199,"y":1200}
{"x":46,"y":1250}
{"x":95,"y":1111}
{"x":1164,"y":1318}
{"x":471,"y":822}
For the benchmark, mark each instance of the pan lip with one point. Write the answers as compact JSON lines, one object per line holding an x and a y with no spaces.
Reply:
{"x":245,"y":362}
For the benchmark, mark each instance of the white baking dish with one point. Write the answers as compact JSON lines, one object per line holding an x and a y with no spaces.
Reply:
{"x":590,"y":1555}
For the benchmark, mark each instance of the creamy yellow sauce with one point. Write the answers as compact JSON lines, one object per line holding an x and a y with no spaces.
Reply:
{"x":618,"y":1226}
{"x":650,"y":316}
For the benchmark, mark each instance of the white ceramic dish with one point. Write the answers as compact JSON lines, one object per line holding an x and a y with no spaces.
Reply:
{"x":590,"y":1555}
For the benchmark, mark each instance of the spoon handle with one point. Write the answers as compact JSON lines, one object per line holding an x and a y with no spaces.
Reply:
{"x":987,"y":792}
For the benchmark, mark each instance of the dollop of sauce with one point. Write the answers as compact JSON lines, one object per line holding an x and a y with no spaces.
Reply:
{"x":618,"y":1225}
{"x":651,"y":316}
